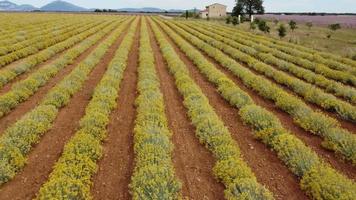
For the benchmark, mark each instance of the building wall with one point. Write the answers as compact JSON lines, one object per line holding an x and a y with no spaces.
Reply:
{"x":216,"y":11}
{"x":204,"y":15}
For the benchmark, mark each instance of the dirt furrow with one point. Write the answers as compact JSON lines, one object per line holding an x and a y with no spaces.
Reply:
{"x":44,"y":155}
{"x":193,"y":162}
{"x":115,"y":168}
{"x":268,"y":168}
{"x":344,"y":123}
{"x":313,"y":141}
{"x":30,"y":103}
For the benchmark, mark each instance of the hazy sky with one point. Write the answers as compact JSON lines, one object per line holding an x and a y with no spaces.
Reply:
{"x":270,"y":5}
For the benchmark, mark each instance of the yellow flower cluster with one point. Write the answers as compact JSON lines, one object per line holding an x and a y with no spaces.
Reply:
{"x":18,"y":139}
{"x":153,"y":176}
{"x":304,"y":116}
{"x":71,"y":176}
{"x":230,"y":168}
{"x":301,"y":160}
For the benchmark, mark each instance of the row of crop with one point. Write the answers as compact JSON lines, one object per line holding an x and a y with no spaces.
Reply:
{"x":24,"y":89}
{"x":335,"y":138}
{"x":9,"y":73}
{"x":270,"y":55}
{"x":15,"y":29}
{"x":153,"y":176}
{"x":70,"y":178}
{"x":18,"y":138}
{"x":342,"y":73}
{"x":45,"y":42}
{"x":332,"y":61}
{"x":255,"y":50}
{"x":25,"y":33}
{"x":318,"y":179}
{"x":13,"y":23}
{"x":43,"y":33}
{"x":230,"y":168}
{"x":308,"y":91}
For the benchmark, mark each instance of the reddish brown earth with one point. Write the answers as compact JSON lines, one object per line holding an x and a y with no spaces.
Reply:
{"x":192,"y":161}
{"x":44,"y":155}
{"x":115,"y":168}
{"x":344,"y":123}
{"x":309,"y":139}
{"x":269,"y":170}
{"x":291,"y":74}
{"x":30,"y":103}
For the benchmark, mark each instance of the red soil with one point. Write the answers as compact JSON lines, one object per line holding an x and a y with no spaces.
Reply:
{"x":44,"y":155}
{"x":269,"y":170}
{"x":193,"y":162}
{"x":309,"y":139}
{"x":116,"y":166}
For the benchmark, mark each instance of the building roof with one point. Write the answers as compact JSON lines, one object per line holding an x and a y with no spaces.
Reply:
{"x":216,"y":4}
{"x":203,"y":11}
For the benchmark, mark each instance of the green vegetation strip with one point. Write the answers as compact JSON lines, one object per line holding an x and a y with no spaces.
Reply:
{"x":308,"y":91}
{"x":230,"y":168}
{"x":267,"y":55}
{"x":24,"y":89}
{"x":318,"y":179}
{"x":335,"y":138}
{"x":18,"y":139}
{"x":71,"y":176}
{"x":45,"y":42}
{"x":153,"y":176}
{"x":9,"y":73}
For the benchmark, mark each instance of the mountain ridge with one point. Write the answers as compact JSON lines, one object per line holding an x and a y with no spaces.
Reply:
{"x":61,"y":5}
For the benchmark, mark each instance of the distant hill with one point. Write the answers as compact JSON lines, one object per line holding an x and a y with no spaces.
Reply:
{"x":150,"y":9}
{"x":9,"y":6}
{"x":146,"y":9}
{"x":62,"y":6}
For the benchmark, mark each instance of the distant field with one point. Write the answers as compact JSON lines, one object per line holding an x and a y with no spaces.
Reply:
{"x":347,"y":21}
{"x":110,"y":107}
{"x":342,"y":42}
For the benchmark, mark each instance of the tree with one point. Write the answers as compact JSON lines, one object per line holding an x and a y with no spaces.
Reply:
{"x":235,"y":20}
{"x":237,"y":10}
{"x":262,"y":25}
{"x":334,"y":27}
{"x":292,"y":25}
{"x":309,"y":25}
{"x":282,"y":31}
{"x":249,"y":7}
{"x":228,"y":20}
{"x":186,"y":14}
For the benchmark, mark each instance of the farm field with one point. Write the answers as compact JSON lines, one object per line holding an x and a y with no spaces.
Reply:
{"x":341,"y":42}
{"x":142,"y":107}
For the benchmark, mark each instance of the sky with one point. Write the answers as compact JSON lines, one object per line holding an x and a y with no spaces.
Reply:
{"x":270,"y":5}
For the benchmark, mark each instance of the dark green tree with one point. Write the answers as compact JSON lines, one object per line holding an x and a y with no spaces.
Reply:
{"x":282,"y":31}
{"x":235,"y":20}
{"x":263,"y":26}
{"x":293,"y":25}
{"x":228,"y":20}
{"x":248,"y":7}
{"x":334,"y":27}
